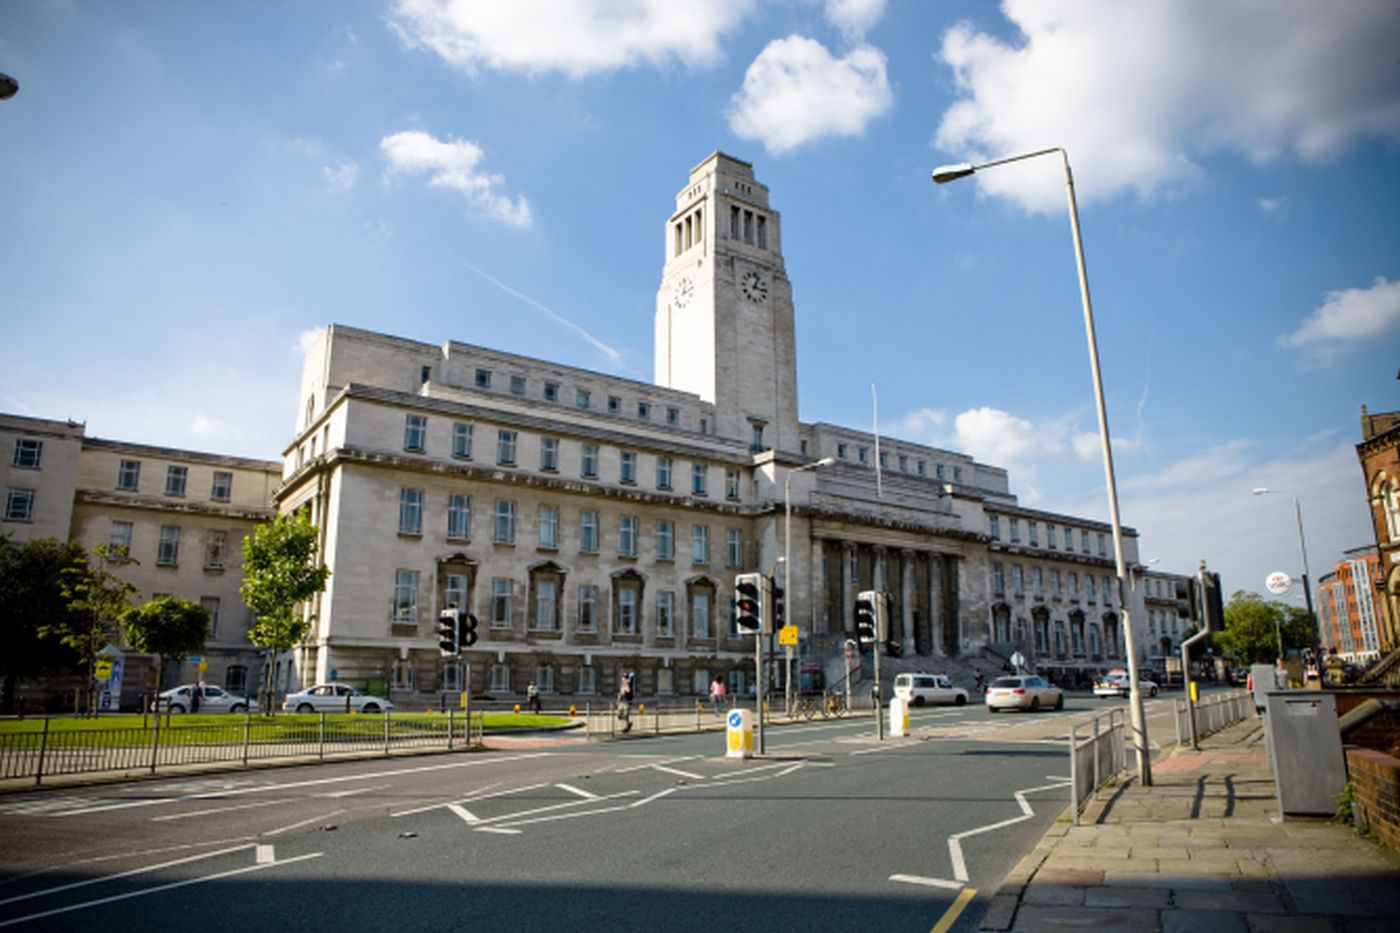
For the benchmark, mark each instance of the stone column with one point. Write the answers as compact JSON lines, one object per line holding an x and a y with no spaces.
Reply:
{"x":848,"y":609}
{"x":936,"y":609}
{"x":906,"y":599}
{"x":816,"y":588}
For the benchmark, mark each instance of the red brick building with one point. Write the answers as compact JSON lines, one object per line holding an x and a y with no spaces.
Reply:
{"x":1349,"y":606}
{"x":1379,"y":453}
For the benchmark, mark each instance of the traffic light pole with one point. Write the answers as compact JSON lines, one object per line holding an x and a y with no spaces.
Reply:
{"x":758,"y":689}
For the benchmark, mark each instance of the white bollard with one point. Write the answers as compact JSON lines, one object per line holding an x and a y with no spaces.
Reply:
{"x":899,"y":717}
{"x":739,"y":734}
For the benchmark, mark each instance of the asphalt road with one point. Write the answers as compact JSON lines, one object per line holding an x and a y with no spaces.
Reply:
{"x":829,"y":830}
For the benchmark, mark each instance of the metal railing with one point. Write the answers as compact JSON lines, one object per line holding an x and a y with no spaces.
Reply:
{"x":1098,"y":754}
{"x":46,"y":751}
{"x":603,"y":721}
{"x":1212,"y":714}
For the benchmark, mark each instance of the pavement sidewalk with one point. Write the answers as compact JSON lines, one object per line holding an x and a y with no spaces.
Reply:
{"x":1204,"y":848}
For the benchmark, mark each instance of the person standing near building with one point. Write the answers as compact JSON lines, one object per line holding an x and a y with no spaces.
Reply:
{"x":624,"y":700}
{"x":532,"y":694}
{"x":717,"y":695}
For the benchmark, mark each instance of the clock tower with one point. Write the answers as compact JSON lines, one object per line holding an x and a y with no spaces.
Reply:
{"x":724,"y":315}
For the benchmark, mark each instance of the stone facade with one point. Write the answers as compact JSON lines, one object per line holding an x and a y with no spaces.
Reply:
{"x":1379,"y":456}
{"x":594,"y":524}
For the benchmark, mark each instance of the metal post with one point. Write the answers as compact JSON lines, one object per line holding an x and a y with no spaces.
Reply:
{"x":155,"y":742}
{"x":321,"y":735}
{"x":386,"y":733}
{"x":247,"y":729}
{"x":758,"y":678}
{"x":879,"y":713}
{"x":1073,"y":775}
{"x":451,"y":727}
{"x":43,"y":750}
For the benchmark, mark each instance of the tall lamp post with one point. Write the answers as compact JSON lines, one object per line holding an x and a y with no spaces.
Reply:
{"x":1138,"y":720}
{"x":1302,"y":552}
{"x":787,"y":549}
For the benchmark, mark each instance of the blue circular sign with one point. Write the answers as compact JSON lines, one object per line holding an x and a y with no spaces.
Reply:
{"x":736,"y":719}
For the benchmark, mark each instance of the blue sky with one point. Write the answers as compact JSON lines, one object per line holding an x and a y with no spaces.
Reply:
{"x":189,"y":188}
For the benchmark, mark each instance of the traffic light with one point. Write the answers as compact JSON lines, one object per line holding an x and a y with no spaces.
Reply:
{"x":467,"y":631}
{"x":866,"y":612}
{"x":748,"y":601}
{"x":778,"y":618}
{"x":448,"y":628}
{"x":1212,"y":607}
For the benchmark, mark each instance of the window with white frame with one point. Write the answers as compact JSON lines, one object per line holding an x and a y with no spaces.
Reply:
{"x":454,"y":591}
{"x":517,"y":385}
{"x":544,"y":678}
{"x":483,"y":378}
{"x":410,"y":511}
{"x":222,"y":488}
{"x":587,"y":607}
{"x":1074,"y":585}
{"x":587,"y":680}
{"x":415,"y":433}
{"x":546,"y":605}
{"x":994,"y":527}
{"x":1033,"y":533}
{"x":1084,"y":541}
{"x":627,"y":467}
{"x":627,"y":536}
{"x":626,"y":610}
{"x":841,"y":451}
{"x":1037,"y":589}
{"x":614,"y":405}
{"x":1076,"y":635}
{"x":582,"y":398}
{"x":588,"y":465}
{"x":665,"y":614}
{"x":1089,"y":588}
{"x":1055,"y":584}
{"x":1042,"y":634}
{"x":733,"y":547}
{"x":549,"y":454}
{"x":700,"y":544}
{"x":673,"y":416}
{"x":500,"y":678}
{"x":19,"y":505}
{"x":450,"y":676}
{"x":461,"y":440}
{"x":1017,"y":581}
{"x":168,"y":549}
{"x":1059,"y":637}
{"x":459,"y":516}
{"x":1107,"y":591}
{"x":644,"y":411}
{"x":1390,"y":506}
{"x":549,"y":527}
{"x":862,"y":454}
{"x":119,"y":541}
{"x":551,"y":391}
{"x":700,"y":614}
{"x":503,"y":528}
{"x":665,"y":539}
{"x":998,"y":580}
{"x":210,"y":605}
{"x":698,"y":477}
{"x":1050,"y":536}
{"x":28,"y":454}
{"x":175,"y":479}
{"x":1103,"y":544}
{"x":215,"y":548}
{"x":129,"y":475}
{"x":663,"y":472}
{"x":731,"y":483}
{"x":505,"y":447}
{"x":588,"y":532}
{"x":406,"y":597}
{"x":957,"y":474}
{"x":1015,"y":530}
{"x":502,"y":602}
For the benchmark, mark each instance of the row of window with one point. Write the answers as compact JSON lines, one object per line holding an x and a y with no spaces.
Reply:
{"x":544,"y":677}
{"x":940,"y":471}
{"x":1037,"y":579}
{"x":1168,"y":623}
{"x":547,"y":611}
{"x":1052,"y":537}
{"x":505,"y":521}
{"x":415,"y":437}
{"x":215,"y":544}
{"x":1084,"y":637}
{"x":176,"y":480}
{"x":552,"y":392}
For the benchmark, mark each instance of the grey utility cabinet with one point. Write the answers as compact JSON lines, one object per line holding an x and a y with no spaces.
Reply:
{"x":1305,"y":749}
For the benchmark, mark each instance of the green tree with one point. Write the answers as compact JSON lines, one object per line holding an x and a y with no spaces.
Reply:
{"x":31,"y":596}
{"x":97,"y":598}
{"x":1253,"y":628}
{"x":168,"y":627}
{"x":280,"y":572}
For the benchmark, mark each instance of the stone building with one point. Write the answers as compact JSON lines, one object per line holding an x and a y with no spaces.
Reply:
{"x":594,"y":524}
{"x":179,"y":515}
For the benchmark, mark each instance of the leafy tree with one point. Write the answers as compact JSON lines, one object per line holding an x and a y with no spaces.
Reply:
{"x":1253,"y":628}
{"x":31,"y":596}
{"x":168,"y":627}
{"x":97,"y":598}
{"x":280,"y":572}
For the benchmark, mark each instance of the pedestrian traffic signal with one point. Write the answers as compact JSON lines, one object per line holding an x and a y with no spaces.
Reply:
{"x":748,"y":601}
{"x":866,"y":617}
{"x":1212,"y":607}
{"x":466,"y":631}
{"x":448,"y":629}
{"x":778,"y":613}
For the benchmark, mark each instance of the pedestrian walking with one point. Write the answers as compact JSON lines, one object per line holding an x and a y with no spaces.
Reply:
{"x":532,"y":694}
{"x":717,"y":695}
{"x":624,"y":700}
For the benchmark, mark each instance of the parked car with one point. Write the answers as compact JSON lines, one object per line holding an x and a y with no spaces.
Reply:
{"x":919,"y":689}
{"x":212,"y":699}
{"x":1117,"y":684}
{"x":334,"y":698}
{"x":1028,"y":692}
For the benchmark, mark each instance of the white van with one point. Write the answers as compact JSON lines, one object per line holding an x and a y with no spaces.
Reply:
{"x":919,"y":689}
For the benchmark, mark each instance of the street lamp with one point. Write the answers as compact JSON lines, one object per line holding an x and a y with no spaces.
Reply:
{"x":787,"y":550}
{"x":1303,"y":552}
{"x":947,"y":173}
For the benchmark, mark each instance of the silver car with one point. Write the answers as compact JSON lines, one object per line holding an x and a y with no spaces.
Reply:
{"x":334,"y":698}
{"x":1028,"y":692}
{"x":203,"y":698}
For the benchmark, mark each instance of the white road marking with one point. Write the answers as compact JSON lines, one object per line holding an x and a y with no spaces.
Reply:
{"x":298,"y":825}
{"x":211,"y":810}
{"x":498,"y":829}
{"x":266,"y":855}
{"x":352,"y":792}
{"x":466,"y":815}
{"x":655,"y":764}
{"x":124,"y":874}
{"x":164,"y":887}
{"x":927,"y":882}
{"x":955,"y":841}
{"x":679,"y":772}
{"x":577,"y":790}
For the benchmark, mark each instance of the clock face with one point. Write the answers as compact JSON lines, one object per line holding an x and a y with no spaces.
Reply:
{"x":685,"y":290}
{"x":753,"y":287}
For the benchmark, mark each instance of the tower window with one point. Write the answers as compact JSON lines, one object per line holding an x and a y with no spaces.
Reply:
{"x":762,"y":232}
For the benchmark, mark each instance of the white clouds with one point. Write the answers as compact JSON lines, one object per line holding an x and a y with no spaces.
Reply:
{"x":923,"y":422}
{"x":341,"y":177}
{"x":577,"y":37}
{"x":204,"y":426}
{"x":1138,"y":92}
{"x":1349,"y":316}
{"x":796,"y":91}
{"x":854,"y":17}
{"x":452,"y":164}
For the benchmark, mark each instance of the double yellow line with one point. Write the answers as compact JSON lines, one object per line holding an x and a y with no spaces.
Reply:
{"x":950,"y":916}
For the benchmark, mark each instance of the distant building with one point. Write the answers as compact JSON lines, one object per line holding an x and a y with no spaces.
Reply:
{"x":594,"y":524}
{"x":179,"y":515}
{"x":1349,"y":614}
{"x":1379,"y":455}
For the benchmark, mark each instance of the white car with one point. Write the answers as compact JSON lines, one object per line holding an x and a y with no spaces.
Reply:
{"x":334,"y":698}
{"x":919,"y":689}
{"x":212,"y":699}
{"x":1027,"y":692}
{"x":1117,"y":684}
